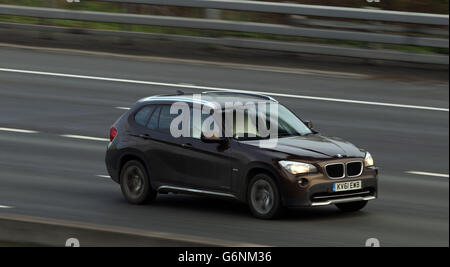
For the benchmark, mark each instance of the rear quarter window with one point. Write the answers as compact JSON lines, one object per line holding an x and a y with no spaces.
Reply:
{"x":165,"y":119}
{"x":153,"y":122}
{"x":142,"y":116}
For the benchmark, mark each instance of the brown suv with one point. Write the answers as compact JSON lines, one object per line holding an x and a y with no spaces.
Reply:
{"x":302,"y":168}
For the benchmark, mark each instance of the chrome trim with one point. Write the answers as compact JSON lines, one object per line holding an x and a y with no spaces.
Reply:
{"x":343,"y":195}
{"x":342,"y":200}
{"x":175,"y":99}
{"x":198,"y":191}
{"x":360,"y":172}
{"x":335,"y":178}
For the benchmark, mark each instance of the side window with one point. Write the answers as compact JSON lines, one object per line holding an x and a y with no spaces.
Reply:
{"x":165,"y":119}
{"x":245,"y":126}
{"x":153,"y":122}
{"x":143,"y":115}
{"x":196,"y":128}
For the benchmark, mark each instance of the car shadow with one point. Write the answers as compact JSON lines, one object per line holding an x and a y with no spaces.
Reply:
{"x":202,"y":204}
{"x":233,"y":208}
{"x":318,"y":214}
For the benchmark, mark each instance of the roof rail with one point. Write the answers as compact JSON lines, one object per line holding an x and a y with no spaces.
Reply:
{"x":248,"y":93}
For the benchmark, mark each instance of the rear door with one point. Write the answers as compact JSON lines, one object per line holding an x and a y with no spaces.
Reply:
{"x":184,"y":161}
{"x":161,"y":150}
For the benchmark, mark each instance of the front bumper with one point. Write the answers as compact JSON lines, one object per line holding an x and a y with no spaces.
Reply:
{"x":348,"y":198}
{"x":319,"y":190}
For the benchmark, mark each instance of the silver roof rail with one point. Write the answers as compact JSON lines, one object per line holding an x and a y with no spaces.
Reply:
{"x":248,"y":93}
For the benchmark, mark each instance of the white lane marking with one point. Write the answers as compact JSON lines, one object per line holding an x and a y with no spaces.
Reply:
{"x":123,"y":108}
{"x":186,"y":84}
{"x":104,"y":176}
{"x":5,"y":207}
{"x":85,"y":137}
{"x":17,"y":130}
{"x":429,"y":174}
{"x":223,"y":89}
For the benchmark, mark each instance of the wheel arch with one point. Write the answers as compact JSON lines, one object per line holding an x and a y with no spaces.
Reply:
{"x":258,"y":168}
{"x":129,"y":156}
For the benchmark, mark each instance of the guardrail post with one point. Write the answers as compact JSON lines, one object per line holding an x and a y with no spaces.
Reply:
{"x":45,"y":34}
{"x":130,"y":9}
{"x":213,"y":13}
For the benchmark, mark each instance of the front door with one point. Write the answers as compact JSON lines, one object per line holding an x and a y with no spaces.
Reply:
{"x":205,"y":165}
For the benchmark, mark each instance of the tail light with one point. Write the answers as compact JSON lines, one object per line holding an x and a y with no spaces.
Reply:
{"x":112,"y":133}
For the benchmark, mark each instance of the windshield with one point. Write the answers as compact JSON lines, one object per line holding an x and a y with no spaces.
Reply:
{"x":288,"y":125}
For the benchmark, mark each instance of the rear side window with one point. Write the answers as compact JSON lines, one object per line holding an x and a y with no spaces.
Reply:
{"x":155,"y":117}
{"x":153,"y":122}
{"x":165,"y":119}
{"x":143,"y":115}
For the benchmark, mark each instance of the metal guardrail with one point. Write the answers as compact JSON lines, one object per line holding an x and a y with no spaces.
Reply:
{"x":236,"y":26}
{"x":305,"y":10}
{"x":311,"y":31}
{"x":308,"y":48}
{"x":373,"y":27}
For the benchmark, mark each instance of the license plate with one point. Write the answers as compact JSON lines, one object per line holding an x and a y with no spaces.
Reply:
{"x":347,"y":186}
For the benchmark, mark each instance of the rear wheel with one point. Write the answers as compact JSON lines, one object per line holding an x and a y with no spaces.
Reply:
{"x":135,"y":183}
{"x":263,"y":197}
{"x":352,"y":206}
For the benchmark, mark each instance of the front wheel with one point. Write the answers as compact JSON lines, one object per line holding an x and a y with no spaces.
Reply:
{"x":352,"y":206}
{"x":263,"y":197}
{"x":135,"y":183}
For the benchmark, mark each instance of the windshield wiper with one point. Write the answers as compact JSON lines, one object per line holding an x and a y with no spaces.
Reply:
{"x":288,"y":134}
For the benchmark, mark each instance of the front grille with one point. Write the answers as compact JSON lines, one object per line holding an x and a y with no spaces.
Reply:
{"x":335,"y":170}
{"x":354,"y":169}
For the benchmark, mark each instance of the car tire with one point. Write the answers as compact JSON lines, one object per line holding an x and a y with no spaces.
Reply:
{"x":263,"y":197}
{"x":135,"y":183}
{"x":352,"y":206}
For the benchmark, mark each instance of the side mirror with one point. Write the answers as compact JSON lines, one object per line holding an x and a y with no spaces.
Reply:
{"x":309,"y":124}
{"x":213,"y":139}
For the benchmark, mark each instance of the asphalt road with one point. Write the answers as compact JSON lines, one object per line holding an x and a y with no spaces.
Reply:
{"x":45,"y":174}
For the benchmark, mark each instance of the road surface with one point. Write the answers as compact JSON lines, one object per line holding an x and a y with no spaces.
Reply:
{"x":53,"y":127}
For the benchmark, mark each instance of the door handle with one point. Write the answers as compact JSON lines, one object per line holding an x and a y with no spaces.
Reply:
{"x":187,"y":145}
{"x":144,"y":136}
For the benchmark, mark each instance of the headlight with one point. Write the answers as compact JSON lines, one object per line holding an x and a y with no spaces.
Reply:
{"x":368,"y":160}
{"x":294,"y":167}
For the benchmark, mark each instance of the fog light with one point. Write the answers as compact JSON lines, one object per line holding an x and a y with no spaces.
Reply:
{"x":303,"y":182}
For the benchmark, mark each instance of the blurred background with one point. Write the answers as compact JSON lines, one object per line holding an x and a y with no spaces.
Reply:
{"x":328,"y":26}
